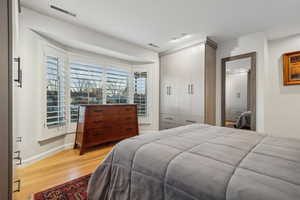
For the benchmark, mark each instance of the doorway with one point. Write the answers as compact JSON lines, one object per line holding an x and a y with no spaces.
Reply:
{"x":239,"y":91}
{"x":5,"y":99}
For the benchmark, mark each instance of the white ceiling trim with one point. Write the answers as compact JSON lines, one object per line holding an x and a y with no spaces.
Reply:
{"x":76,"y":45}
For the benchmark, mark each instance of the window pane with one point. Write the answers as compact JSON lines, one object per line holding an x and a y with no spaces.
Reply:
{"x":85,"y":86}
{"x":140,"y":92}
{"x":55,"y":93}
{"x":117,"y":86}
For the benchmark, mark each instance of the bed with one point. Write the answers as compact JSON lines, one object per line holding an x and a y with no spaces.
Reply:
{"x":200,"y":162}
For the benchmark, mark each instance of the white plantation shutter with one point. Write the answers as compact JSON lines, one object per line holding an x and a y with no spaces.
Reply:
{"x":71,"y":81}
{"x":140,"y":92}
{"x":56,"y":104}
{"x":117,"y":86}
{"x":85,"y":86}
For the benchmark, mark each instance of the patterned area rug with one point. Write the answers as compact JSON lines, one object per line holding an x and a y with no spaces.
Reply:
{"x":72,"y":190}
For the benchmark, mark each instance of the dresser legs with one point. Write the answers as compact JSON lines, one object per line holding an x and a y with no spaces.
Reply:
{"x":81,"y":151}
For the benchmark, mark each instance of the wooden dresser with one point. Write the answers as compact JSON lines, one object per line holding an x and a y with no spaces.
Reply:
{"x":98,"y":124}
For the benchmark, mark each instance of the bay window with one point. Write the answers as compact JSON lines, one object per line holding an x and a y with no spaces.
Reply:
{"x":71,"y":82}
{"x":86,"y":86}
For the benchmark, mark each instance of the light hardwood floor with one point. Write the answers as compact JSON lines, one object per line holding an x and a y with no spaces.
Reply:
{"x":59,"y":168}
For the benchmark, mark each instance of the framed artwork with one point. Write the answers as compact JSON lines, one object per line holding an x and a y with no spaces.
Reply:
{"x":291,"y":68}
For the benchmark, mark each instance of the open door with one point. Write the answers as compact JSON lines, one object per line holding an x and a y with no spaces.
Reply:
{"x":6,"y":100}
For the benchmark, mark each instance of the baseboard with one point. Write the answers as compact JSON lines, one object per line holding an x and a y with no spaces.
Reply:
{"x":147,"y":132}
{"x":43,"y":155}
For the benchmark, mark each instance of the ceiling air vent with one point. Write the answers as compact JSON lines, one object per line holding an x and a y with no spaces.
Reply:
{"x":153,"y":45}
{"x":63,"y":10}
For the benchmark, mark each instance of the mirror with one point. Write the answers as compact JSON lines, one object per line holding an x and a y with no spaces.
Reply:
{"x":239,"y":94}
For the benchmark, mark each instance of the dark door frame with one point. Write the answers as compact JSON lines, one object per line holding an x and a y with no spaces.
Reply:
{"x":251,"y":55}
{"x":6,"y":99}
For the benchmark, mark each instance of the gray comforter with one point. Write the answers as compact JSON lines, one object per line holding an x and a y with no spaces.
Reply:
{"x":200,"y":162}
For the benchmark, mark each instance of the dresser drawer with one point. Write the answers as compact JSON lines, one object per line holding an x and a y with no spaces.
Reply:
{"x":129,"y":130}
{"x":103,"y":118}
{"x":127,"y":110}
{"x":93,"y":122}
{"x":127,"y":120}
{"x":98,"y":135}
{"x":106,"y":128}
{"x":127,"y":117}
{"x":102,"y":111}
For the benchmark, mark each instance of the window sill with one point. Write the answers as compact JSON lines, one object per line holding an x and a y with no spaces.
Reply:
{"x":43,"y":138}
{"x":144,"y":121}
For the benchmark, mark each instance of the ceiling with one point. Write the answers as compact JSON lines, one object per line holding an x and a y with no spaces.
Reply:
{"x":158,"y":21}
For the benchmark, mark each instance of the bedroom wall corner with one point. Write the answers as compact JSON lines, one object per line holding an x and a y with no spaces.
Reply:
{"x":28,"y":99}
{"x":282,"y":107}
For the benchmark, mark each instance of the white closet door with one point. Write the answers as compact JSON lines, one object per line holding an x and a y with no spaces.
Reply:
{"x":165,"y":98}
{"x":163,"y":85}
{"x":182,"y":69}
{"x":197,"y":72}
{"x":168,"y":86}
{"x":171,"y":83}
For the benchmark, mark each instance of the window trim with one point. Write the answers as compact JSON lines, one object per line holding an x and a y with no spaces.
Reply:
{"x":70,"y":79}
{"x":130,"y":95}
{"x":104,"y":62}
{"x":146,"y":91}
{"x":54,"y":131}
{"x":144,"y":120}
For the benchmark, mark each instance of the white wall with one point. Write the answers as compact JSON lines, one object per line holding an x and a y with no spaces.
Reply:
{"x":29,"y":121}
{"x":27,"y":106}
{"x":282,"y":112}
{"x":278,"y":106}
{"x":249,"y":43}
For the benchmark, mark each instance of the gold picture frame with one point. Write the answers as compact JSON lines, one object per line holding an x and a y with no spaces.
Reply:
{"x":291,"y":68}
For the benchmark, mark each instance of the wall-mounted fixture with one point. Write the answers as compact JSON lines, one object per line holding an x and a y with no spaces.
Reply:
{"x":183,"y":36}
{"x":63,"y":10}
{"x":19,"y":70}
{"x":153,"y":45}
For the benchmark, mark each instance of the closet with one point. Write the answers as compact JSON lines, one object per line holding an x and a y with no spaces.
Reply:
{"x":188,"y":85}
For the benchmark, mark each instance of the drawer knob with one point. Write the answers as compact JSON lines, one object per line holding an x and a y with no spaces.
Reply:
{"x":98,"y":111}
{"x":97,"y":133}
{"x":98,"y":121}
